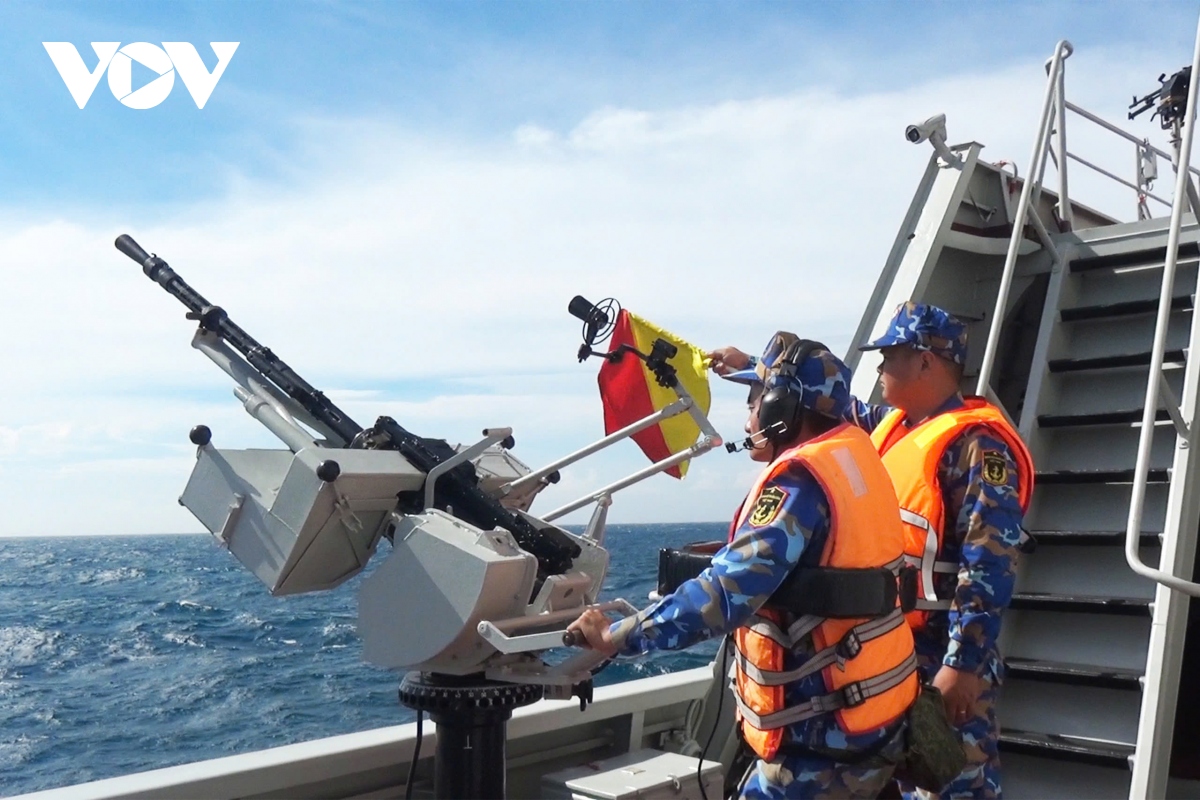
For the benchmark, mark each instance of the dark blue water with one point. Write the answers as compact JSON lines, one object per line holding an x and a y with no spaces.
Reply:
{"x":123,"y":654}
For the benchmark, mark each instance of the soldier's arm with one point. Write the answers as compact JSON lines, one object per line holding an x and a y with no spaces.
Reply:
{"x":865,"y":415}
{"x":743,"y":574}
{"x":988,"y":525}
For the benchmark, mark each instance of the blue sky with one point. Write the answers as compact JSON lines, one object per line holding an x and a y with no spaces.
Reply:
{"x":400,"y":198}
{"x":474,"y":70}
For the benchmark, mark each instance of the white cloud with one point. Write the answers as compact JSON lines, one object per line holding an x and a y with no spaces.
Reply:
{"x":430,"y":281}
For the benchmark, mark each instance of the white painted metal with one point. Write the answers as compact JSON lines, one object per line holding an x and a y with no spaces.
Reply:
{"x":1038,"y":160}
{"x":1167,"y":634}
{"x":1156,"y":362}
{"x":377,"y":760}
{"x":940,"y":195}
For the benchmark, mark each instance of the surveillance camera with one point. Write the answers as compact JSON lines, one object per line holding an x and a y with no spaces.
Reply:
{"x":930,"y":127}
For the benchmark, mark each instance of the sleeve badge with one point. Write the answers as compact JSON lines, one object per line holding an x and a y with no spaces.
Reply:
{"x":995,"y":467}
{"x":767,"y":507}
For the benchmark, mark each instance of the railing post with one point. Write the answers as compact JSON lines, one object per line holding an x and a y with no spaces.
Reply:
{"x":1137,"y":498}
{"x":1065,"y":212}
{"x":1037,"y":161}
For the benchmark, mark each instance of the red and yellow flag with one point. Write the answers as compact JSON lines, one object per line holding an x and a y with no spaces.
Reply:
{"x":630,"y":392}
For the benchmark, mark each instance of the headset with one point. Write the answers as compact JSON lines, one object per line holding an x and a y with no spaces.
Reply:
{"x":780,"y":412}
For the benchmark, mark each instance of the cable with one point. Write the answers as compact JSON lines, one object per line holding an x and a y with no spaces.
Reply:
{"x":716,"y":717}
{"x":412,"y":768}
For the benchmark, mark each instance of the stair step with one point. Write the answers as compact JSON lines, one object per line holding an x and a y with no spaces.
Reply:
{"x":1130,"y":416}
{"x":1155,"y":256}
{"x":1066,"y":748}
{"x":1109,"y":362}
{"x":1091,"y":538}
{"x":1183,"y":302}
{"x":1081,"y":604}
{"x":1073,"y":674}
{"x":1154,"y":475}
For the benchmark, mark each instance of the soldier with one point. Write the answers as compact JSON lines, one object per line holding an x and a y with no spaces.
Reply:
{"x":964,"y":478}
{"x":822,"y":682}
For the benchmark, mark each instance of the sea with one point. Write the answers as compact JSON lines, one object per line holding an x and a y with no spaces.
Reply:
{"x":122,"y":654}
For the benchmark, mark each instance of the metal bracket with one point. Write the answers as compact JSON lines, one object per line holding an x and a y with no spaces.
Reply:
{"x":235,"y":512}
{"x":1168,"y":397}
{"x":491,"y":437}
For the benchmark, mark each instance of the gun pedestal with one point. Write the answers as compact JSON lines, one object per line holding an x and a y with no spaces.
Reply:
{"x":472,"y":715}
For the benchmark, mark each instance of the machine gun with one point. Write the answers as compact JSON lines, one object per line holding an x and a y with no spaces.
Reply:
{"x":1169,"y":101}
{"x":475,"y":588}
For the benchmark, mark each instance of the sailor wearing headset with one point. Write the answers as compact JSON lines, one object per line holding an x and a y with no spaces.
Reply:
{"x":825,"y":666}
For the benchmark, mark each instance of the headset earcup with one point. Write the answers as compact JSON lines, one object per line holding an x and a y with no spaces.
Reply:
{"x":779,"y":405}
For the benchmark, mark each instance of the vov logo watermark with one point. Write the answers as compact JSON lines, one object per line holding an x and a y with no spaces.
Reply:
{"x":165,"y":61}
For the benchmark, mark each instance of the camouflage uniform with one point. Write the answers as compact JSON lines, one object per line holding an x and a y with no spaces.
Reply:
{"x":746,"y":572}
{"x":985,"y":540}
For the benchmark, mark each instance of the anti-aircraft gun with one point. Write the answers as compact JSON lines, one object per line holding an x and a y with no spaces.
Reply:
{"x":475,"y":590}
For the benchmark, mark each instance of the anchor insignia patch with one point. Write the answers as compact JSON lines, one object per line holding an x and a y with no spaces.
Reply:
{"x":767,"y":507}
{"x":995,"y":468}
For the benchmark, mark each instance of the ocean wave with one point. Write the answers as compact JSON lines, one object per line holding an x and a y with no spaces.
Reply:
{"x":25,"y":646}
{"x":103,"y":577}
{"x":190,"y":639}
{"x":194,"y":657}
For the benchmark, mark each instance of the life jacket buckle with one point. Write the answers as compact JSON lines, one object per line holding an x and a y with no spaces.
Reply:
{"x":852,"y":695}
{"x":849,"y":647}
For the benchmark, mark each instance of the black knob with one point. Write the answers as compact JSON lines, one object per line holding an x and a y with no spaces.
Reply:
{"x":573,"y":639}
{"x":328,"y":471}
{"x":200,"y":435}
{"x":553,"y":477}
{"x":508,"y":443}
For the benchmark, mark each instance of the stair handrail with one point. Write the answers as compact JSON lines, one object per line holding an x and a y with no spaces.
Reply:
{"x":1037,"y":161}
{"x":1150,"y":412}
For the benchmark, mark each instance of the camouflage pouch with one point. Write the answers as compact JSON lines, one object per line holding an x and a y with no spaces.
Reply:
{"x":934,"y":755}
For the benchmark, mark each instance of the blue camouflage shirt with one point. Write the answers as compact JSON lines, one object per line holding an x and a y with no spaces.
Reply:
{"x":742,"y":576}
{"x":985,"y":541}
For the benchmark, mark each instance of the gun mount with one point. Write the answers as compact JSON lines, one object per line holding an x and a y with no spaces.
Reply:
{"x":475,"y":588}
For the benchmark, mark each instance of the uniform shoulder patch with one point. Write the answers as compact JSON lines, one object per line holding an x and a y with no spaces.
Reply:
{"x":767,"y":507}
{"x":995,"y":467}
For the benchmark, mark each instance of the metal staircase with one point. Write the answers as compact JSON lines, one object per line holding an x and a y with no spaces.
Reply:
{"x":1088,"y":331}
{"x":1077,"y":639}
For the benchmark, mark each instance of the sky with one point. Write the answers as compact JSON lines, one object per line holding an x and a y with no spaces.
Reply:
{"x":400,"y":199}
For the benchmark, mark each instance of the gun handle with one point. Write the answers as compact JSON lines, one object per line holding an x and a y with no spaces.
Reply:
{"x":129,"y":247}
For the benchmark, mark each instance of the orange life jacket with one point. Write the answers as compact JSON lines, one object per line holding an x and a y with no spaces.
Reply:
{"x":911,"y":457}
{"x":868,"y":663}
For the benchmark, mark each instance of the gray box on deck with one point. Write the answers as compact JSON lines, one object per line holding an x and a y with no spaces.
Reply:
{"x":642,"y":774}
{"x":294,"y":531}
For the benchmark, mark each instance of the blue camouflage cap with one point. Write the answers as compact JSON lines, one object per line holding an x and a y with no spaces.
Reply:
{"x":925,"y":327}
{"x":822,"y":380}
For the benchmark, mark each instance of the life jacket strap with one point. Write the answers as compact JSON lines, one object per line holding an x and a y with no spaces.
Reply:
{"x":849,"y":696}
{"x":844,"y":650}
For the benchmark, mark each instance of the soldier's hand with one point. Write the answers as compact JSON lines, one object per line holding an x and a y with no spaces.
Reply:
{"x":725,"y":360}
{"x":960,"y":690}
{"x":594,"y":627}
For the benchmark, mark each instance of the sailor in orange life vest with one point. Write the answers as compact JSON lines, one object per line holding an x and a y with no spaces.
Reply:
{"x":824,"y":677}
{"x":964,"y":479}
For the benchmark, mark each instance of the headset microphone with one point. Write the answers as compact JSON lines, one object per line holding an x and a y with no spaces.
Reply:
{"x":753,"y":441}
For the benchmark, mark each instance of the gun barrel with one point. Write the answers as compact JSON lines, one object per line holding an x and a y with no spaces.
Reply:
{"x":215,"y":319}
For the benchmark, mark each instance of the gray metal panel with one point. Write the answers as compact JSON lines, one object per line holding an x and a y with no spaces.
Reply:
{"x":1096,"y":639}
{"x":1108,"y":715}
{"x":1124,"y":334}
{"x":1031,"y":778}
{"x":1092,"y":507}
{"x":1102,"y":447}
{"x":1103,"y":287}
{"x":1097,"y":571}
{"x":1094,"y":391}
